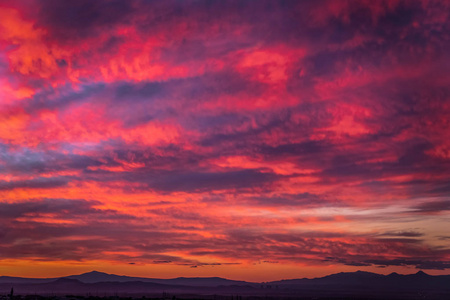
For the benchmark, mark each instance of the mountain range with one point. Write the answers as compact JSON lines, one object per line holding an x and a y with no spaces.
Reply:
{"x":350,"y":284}
{"x":96,"y":277}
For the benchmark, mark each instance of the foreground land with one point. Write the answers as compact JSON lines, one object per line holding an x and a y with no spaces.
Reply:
{"x":216,"y":297}
{"x":167,"y":296}
{"x":101,"y":286}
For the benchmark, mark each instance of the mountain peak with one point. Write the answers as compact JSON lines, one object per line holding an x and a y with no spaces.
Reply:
{"x":93,"y":276}
{"x":421,"y":273}
{"x":95,"y":273}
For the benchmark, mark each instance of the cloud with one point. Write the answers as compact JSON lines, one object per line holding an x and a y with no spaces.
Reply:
{"x":191,"y":181}
{"x":409,"y":233}
{"x":82,"y":19}
{"x":72,"y":207}
{"x":195,"y":132}
{"x":37,"y":183}
{"x":195,"y":181}
{"x":303,"y":200}
{"x":433,"y":207}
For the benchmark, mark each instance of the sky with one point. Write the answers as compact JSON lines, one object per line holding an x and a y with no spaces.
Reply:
{"x":252,"y":140}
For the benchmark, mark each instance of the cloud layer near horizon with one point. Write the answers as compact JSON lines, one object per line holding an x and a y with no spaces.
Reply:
{"x":213,"y":133}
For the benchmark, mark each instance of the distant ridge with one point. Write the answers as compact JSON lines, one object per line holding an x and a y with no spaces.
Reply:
{"x":10,"y":279}
{"x":95,"y":276}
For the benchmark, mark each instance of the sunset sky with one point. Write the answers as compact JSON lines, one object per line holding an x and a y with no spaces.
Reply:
{"x":252,"y":140}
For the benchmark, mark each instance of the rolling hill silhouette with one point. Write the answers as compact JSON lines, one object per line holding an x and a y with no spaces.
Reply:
{"x":95,"y":276}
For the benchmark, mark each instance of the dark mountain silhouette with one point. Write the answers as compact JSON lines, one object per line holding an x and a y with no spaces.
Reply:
{"x":9,"y":279}
{"x":95,"y":276}
{"x":338,"y":278}
{"x":353,"y":284}
{"x":367,"y":279}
